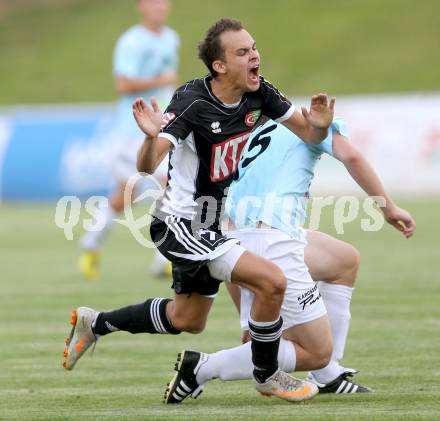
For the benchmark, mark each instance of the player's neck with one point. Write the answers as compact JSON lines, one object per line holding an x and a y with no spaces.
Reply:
{"x":225,"y":91}
{"x":152,"y":27}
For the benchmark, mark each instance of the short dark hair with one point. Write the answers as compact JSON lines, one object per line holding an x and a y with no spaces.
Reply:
{"x":210,"y":48}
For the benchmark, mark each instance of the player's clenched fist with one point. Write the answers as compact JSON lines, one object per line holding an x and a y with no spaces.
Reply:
{"x":321,"y":111}
{"x":148,"y":119}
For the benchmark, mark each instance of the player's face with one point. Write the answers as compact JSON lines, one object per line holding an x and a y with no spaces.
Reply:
{"x":241,"y":60}
{"x":154,"y":11}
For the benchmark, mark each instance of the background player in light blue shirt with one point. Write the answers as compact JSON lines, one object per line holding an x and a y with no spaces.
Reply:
{"x":145,"y":62}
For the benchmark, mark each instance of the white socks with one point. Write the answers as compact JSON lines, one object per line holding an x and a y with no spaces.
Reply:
{"x":92,"y":240}
{"x":236,"y":363}
{"x":286,"y":356}
{"x":337,"y":299}
{"x":158,"y":263}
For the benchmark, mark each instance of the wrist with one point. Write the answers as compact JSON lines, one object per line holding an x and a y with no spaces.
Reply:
{"x":159,"y":81}
{"x":389,"y":206}
{"x":320,"y":127}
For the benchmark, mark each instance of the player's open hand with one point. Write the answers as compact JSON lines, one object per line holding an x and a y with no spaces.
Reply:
{"x":401,"y":220}
{"x":321,"y":111}
{"x":149,"y":119}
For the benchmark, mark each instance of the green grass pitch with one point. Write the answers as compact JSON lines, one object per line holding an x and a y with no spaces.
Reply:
{"x":394,"y":338}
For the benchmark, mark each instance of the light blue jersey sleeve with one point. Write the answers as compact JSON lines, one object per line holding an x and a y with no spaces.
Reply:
{"x":339,"y":126}
{"x":127,"y":61}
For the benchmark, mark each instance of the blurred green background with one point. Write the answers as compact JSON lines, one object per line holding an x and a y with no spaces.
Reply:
{"x":60,"y":50}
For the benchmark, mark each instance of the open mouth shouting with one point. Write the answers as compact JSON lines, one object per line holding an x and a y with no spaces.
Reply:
{"x":254,"y":74}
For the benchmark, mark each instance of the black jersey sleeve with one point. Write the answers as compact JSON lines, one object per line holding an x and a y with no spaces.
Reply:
{"x":177,"y":121}
{"x":275,"y":106}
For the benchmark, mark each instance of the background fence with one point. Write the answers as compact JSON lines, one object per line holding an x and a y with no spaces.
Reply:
{"x":50,"y":151}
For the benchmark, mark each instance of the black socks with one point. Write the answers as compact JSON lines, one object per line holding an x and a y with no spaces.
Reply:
{"x":147,"y":317}
{"x":265,"y":343}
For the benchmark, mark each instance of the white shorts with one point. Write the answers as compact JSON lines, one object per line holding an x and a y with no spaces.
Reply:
{"x":302,"y":300}
{"x":221,"y":267}
{"x":125,"y":157}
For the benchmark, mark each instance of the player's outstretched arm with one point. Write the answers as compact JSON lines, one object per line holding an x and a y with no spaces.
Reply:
{"x":130,"y":86}
{"x":365,"y":176}
{"x":154,"y":149}
{"x":312,"y":125}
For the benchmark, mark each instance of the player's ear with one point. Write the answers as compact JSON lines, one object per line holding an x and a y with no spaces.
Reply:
{"x":219,"y":66}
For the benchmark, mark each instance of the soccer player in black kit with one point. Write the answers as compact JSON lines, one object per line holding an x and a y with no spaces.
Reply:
{"x":205,"y":128}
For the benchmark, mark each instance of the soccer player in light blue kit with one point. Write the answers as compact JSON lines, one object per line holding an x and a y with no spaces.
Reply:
{"x":267,"y":209}
{"x":145,"y":64}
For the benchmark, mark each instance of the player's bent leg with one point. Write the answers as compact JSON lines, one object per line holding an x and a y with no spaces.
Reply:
{"x":266,"y":280}
{"x":189,"y":313}
{"x":160,"y":266}
{"x":313,"y":350}
{"x":334,"y":263}
{"x":91,"y":241}
{"x":235,"y":293}
{"x":308,"y":342}
{"x":268,"y":283}
{"x":225,"y":260}
{"x":331,"y":260}
{"x":195,"y":368}
{"x":157,"y":315}
{"x":153,"y":316}
{"x":236,"y":363}
{"x":313,"y":343}
{"x":117,"y":200}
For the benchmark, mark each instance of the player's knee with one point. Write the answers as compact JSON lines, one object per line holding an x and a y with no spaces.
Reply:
{"x":280,"y":286}
{"x":352,"y":263}
{"x":356,"y":258}
{"x":190,"y":326}
{"x":348,"y":265}
{"x":275,"y":285}
{"x":195,"y":329}
{"x":322,"y":356}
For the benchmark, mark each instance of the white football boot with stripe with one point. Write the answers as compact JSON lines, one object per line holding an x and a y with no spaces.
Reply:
{"x":342,"y":384}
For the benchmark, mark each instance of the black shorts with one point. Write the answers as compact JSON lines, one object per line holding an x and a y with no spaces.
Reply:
{"x":188,"y":252}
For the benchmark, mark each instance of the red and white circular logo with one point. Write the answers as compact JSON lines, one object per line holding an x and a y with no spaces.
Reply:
{"x":167,"y":118}
{"x":249,"y":119}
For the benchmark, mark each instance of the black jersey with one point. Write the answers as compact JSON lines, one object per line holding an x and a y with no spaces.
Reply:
{"x":208,"y":137}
